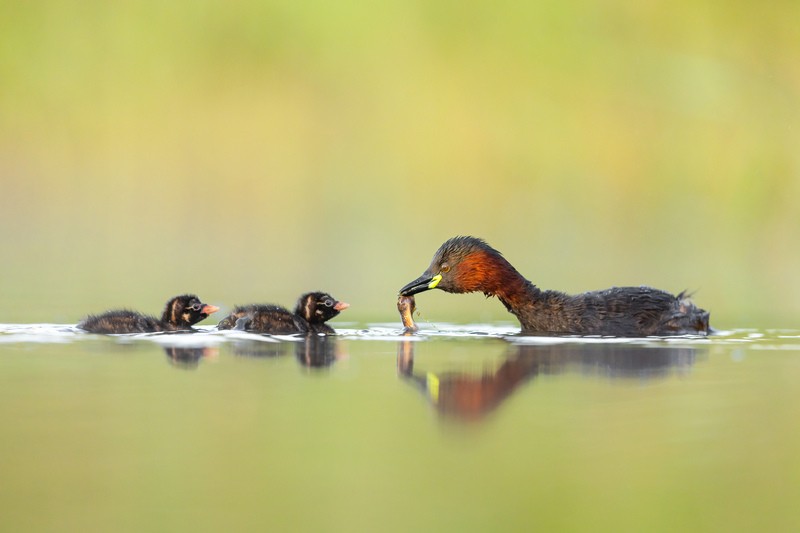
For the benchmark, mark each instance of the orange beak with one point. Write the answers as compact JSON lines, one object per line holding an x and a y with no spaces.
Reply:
{"x":207,"y":310}
{"x":341,"y":306}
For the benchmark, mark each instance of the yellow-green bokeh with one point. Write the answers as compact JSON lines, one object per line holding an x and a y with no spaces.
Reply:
{"x":251,"y":151}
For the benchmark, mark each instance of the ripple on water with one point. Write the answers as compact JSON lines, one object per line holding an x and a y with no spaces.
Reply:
{"x":210,"y":336}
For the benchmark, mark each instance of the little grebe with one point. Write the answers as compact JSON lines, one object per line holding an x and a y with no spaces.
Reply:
{"x":180,"y":313}
{"x":312,"y":311}
{"x":469,"y":264}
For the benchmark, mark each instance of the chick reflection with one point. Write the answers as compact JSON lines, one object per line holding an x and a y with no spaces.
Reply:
{"x":312,"y":350}
{"x":259,"y":349}
{"x":316,"y":351}
{"x":189,"y":358}
{"x":467,"y":396}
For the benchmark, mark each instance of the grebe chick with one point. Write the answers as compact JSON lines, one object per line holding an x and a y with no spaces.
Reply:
{"x":180,"y":313}
{"x":313,"y":309}
{"x":469,"y":264}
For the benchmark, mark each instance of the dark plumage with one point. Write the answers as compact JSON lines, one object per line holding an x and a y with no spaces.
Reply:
{"x":469,"y":264}
{"x":180,"y":313}
{"x":313,"y":309}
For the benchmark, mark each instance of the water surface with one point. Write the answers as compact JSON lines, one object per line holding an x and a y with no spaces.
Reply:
{"x":460,"y":428}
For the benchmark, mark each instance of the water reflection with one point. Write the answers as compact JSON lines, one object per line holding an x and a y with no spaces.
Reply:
{"x":467,"y":396}
{"x":259,"y":349}
{"x":189,"y":358}
{"x":311,"y":351}
{"x":316,"y":351}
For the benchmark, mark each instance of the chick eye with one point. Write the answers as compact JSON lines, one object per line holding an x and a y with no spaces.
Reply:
{"x":196,"y":307}
{"x":328,"y":303}
{"x":445,"y":268}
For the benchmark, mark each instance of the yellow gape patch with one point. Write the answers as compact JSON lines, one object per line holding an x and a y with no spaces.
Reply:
{"x":432,"y":382}
{"x":435,"y":281}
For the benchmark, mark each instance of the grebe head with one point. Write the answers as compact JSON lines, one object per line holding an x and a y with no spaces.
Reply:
{"x":187,"y":310}
{"x":461,"y":264}
{"x":319,"y":307}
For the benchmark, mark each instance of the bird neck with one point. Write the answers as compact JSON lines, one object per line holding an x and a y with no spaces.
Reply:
{"x":535,"y":309}
{"x":492,"y":275}
{"x":305,"y":310}
{"x":170,"y":315}
{"x":173,"y":318}
{"x":518,"y":293}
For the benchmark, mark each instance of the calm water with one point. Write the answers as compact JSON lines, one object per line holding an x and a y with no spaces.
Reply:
{"x":460,"y":428}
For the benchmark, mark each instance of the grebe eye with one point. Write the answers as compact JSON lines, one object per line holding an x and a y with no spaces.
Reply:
{"x":196,"y":307}
{"x":328,"y":303}
{"x":445,"y":268}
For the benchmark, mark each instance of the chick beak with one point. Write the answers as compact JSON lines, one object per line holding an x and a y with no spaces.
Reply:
{"x":208,"y":309}
{"x":423,"y":283}
{"x":341,"y":306}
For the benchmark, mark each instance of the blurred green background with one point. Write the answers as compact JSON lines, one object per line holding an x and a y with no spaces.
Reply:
{"x":251,"y":151}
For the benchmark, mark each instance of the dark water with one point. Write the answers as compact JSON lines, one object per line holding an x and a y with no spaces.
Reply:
{"x":462,"y":428}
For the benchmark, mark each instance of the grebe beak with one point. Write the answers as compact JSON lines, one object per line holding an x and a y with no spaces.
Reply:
{"x":423,"y":283}
{"x":208,"y":309}
{"x":341,"y":306}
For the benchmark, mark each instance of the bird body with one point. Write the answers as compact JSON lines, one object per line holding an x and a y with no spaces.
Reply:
{"x":469,"y":264}
{"x":264,"y":318}
{"x":180,"y":313}
{"x":313,"y":309}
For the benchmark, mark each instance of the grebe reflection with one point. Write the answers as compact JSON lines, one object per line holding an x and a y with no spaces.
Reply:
{"x":469,"y":396}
